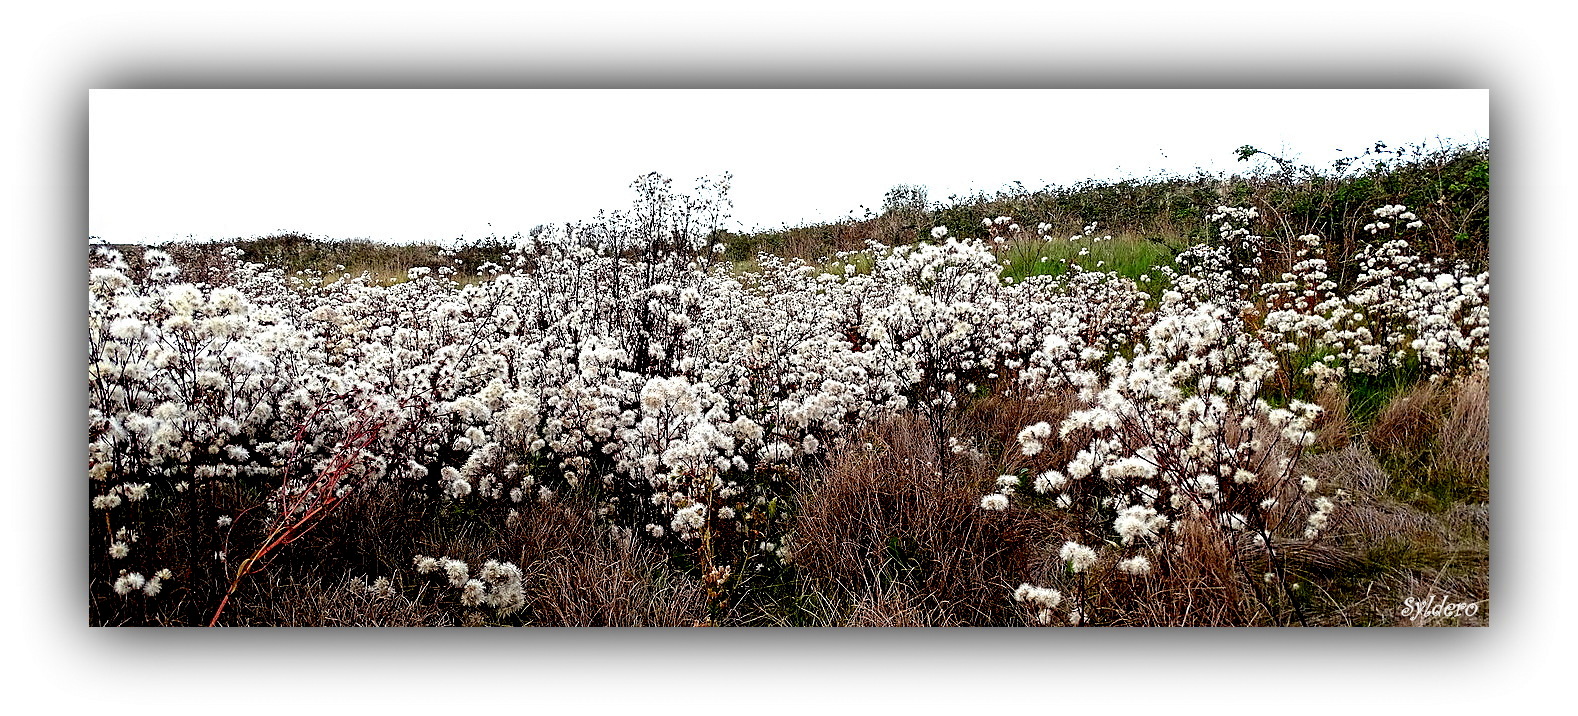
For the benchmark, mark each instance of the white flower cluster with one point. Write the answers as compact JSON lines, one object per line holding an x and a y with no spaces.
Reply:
{"x":995,"y":502}
{"x":498,"y":585}
{"x":1393,"y":213}
{"x":1234,"y":222}
{"x":1038,"y":596}
{"x":1320,"y":517}
{"x":1041,"y":599}
{"x":1078,"y":557}
{"x":605,"y":357}
{"x":129,"y":582}
{"x":1136,"y":565}
{"x":1403,"y":310}
{"x":1180,"y":432}
{"x":1032,"y":439}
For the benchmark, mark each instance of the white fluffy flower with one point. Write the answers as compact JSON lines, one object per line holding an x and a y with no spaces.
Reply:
{"x":690,"y":519}
{"x":456,"y":570}
{"x":1321,"y":517}
{"x":1135,"y":565}
{"x":1049,"y":481}
{"x":1078,"y":556}
{"x":1041,"y":597}
{"x":1140,"y":521}
{"x":1031,"y":439}
{"x":128,"y":583}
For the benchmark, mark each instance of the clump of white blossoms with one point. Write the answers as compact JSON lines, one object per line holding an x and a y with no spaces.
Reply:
{"x":1138,"y":564}
{"x":1139,"y":522}
{"x":1403,"y":308}
{"x":1321,"y":517}
{"x":1041,"y":599}
{"x":129,"y":582}
{"x":1049,"y":481}
{"x":689,"y":521}
{"x":498,"y":585}
{"x":456,"y":570}
{"x":1078,"y":557}
{"x":1032,"y":439}
{"x":1179,"y":433}
{"x":381,"y":588}
{"x":1038,"y":596}
{"x":618,"y":354}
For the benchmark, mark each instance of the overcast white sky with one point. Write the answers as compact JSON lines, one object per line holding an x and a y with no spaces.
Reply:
{"x":399,"y":165}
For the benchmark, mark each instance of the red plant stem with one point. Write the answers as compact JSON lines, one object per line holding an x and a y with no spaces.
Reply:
{"x":285,"y":530}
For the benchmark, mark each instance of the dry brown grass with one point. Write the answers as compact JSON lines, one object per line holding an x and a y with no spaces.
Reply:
{"x":575,"y":572}
{"x":897,"y":606}
{"x":995,"y":421}
{"x":895,"y":514}
{"x":1201,"y":586}
{"x":579,"y":574}
{"x":1334,"y":429}
{"x":1408,"y":423}
{"x":1369,"y":517}
{"x":287,"y":602}
{"x":1465,"y":431}
{"x":1435,"y":440}
{"x":1382,"y":601}
{"x":1352,"y":468}
{"x":1414,"y":523}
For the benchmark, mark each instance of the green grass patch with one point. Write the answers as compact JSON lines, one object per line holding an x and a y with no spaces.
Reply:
{"x":1367,"y":394}
{"x":1128,"y":256}
{"x":1395,"y":554}
{"x":1419,"y":480}
{"x":862,"y":262}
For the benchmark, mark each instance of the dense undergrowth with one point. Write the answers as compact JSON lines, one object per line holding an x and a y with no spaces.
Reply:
{"x":635,"y":421}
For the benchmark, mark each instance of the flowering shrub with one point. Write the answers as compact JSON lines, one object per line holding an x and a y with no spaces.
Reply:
{"x":1179,"y":438}
{"x":1403,"y":310}
{"x":623,"y":364}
